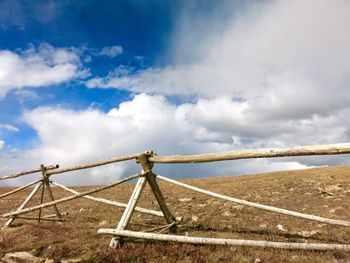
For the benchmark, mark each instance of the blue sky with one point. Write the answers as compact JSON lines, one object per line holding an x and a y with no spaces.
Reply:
{"x":140,"y":27}
{"x":88,"y":80}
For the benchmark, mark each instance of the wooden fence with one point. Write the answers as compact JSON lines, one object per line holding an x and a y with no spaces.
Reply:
{"x":147,"y":161}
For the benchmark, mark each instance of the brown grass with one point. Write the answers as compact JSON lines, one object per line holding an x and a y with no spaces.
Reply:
{"x":294,"y":190}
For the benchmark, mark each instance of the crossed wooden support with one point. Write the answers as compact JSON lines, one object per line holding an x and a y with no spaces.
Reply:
{"x":147,"y":177}
{"x":41,"y":183}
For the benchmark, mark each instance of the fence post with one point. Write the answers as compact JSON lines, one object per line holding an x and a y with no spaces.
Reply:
{"x":151,"y":179}
{"x":129,"y":210}
{"x":47,"y":184}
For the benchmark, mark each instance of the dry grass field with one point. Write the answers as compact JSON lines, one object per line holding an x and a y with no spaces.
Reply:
{"x":318,"y":191}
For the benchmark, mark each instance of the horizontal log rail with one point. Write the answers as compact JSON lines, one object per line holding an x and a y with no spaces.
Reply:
{"x":331,"y":149}
{"x":95,"y":164}
{"x":222,"y":241}
{"x":50,"y":167}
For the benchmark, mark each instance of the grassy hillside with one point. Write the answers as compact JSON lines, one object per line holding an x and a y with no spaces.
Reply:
{"x":319,"y":191}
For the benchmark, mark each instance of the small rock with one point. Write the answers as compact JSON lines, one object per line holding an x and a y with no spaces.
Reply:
{"x":257,"y":260}
{"x":337,"y":211}
{"x":263,"y":226}
{"x":202,"y":205}
{"x":281,"y":227}
{"x":72,"y":260}
{"x":213,"y":202}
{"x":102,"y":223}
{"x":21,"y":257}
{"x":333,"y":187}
{"x":194,"y":218}
{"x":186,"y":199}
{"x":81,"y":210}
{"x":238,"y":207}
{"x":227,"y":213}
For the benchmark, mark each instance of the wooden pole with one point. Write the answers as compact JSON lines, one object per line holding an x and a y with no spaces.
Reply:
{"x":66,"y":199}
{"x":109,"y":202}
{"x":147,"y":168}
{"x":43,"y":218}
{"x":50,"y":167}
{"x":41,"y":200}
{"x":260,"y":206}
{"x":47,"y":184}
{"x":20,"y":188}
{"x":95,"y":164}
{"x":53,"y":215}
{"x":129,"y":210}
{"x":26,"y":201}
{"x":256,"y":153}
{"x":222,"y":241}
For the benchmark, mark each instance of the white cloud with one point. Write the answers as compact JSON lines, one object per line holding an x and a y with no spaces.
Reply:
{"x":276,"y":73}
{"x":286,"y":58}
{"x":39,"y":67}
{"x":2,"y":145}
{"x":111,"y":51}
{"x":69,"y":137}
{"x":151,"y":122}
{"x":9,"y":127}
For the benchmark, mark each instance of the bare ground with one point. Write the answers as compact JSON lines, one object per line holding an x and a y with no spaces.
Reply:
{"x":319,"y":191}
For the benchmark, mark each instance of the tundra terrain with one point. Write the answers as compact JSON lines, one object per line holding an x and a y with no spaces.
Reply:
{"x":318,"y":191}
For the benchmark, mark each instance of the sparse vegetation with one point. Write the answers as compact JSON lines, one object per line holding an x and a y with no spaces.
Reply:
{"x":319,"y":191}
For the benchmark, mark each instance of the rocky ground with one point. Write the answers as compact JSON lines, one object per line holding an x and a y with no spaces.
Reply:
{"x":318,"y":191}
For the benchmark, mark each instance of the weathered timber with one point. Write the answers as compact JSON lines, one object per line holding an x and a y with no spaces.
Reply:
{"x":20,"y":188}
{"x":256,"y":153}
{"x":53,"y":215}
{"x":66,"y":199}
{"x":42,"y":218}
{"x":129,"y":210}
{"x":26,"y":201}
{"x":222,"y":241}
{"x":47,"y":184}
{"x":260,"y":206}
{"x":109,"y":202}
{"x":151,"y":179}
{"x":41,"y":200}
{"x":50,"y":167}
{"x":95,"y":164}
